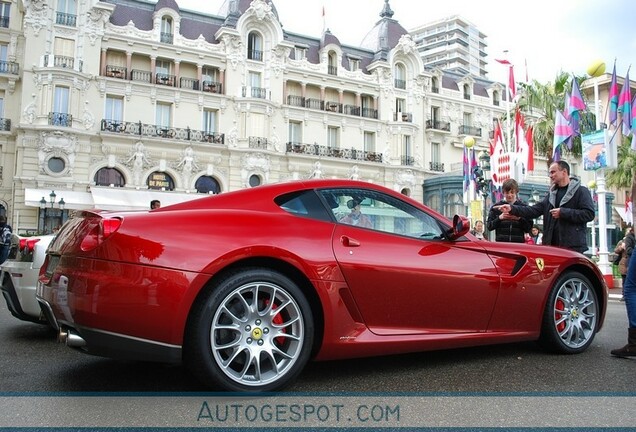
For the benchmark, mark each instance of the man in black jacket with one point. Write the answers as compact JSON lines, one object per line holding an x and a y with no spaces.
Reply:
{"x":507,"y":227}
{"x":566,"y":210}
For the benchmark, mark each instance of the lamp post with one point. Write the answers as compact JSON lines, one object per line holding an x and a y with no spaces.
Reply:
{"x":603,"y":254}
{"x":483,"y":183}
{"x":469,"y":143}
{"x":591,"y":185}
{"x":52,"y":216}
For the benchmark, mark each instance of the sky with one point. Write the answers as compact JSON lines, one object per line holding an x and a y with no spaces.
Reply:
{"x":548,"y":36}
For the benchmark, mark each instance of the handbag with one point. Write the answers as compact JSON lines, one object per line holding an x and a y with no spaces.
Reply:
{"x":617,"y":259}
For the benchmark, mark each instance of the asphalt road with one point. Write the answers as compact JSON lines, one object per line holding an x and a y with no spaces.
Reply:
{"x":32,"y":361}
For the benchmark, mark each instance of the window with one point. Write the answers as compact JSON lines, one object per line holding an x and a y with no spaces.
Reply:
{"x":468,"y":119}
{"x":400,"y":105}
{"x":209,"y":121}
{"x":254,"y":47}
{"x":354,"y":64}
{"x":109,"y":177}
{"x":160,"y":181}
{"x":114,"y":109}
{"x":369,"y":142}
{"x":5,"y":13}
{"x":435,"y":115}
{"x":434,"y":85}
{"x":435,"y":153}
{"x":495,"y":98}
{"x":254,"y":180}
{"x":399,"y":75}
{"x":295,"y":132}
{"x":163,"y":114}
{"x":300,"y":53}
{"x":56,"y":165}
{"x":407,"y":151}
{"x":210,"y":74}
{"x":207,"y":185}
{"x":333,"y":137}
{"x":466,"y":92}
{"x":66,"y":12}
{"x":332,"y":63}
{"x":166,"y":30}
{"x":61,"y":100}
{"x":64,"y":50}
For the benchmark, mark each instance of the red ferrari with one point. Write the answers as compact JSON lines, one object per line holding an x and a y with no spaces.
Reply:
{"x":246,"y":287}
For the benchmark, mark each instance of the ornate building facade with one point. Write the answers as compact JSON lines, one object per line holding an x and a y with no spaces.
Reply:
{"x":110,"y":104}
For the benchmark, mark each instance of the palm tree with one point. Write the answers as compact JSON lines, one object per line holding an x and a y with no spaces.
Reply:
{"x":621,"y":176}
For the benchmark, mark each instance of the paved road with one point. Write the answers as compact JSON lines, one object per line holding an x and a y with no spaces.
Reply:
{"x":32,"y":361}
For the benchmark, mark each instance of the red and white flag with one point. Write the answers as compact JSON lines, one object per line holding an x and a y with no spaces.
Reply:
{"x":512,"y":86}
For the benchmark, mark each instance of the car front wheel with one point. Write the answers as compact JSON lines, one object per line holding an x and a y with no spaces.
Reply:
{"x":570,"y":319}
{"x":252,"y":332}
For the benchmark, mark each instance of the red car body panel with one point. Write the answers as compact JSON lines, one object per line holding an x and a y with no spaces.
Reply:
{"x":374,"y":292}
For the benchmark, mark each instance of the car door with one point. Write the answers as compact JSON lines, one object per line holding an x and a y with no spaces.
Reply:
{"x":407,"y":279}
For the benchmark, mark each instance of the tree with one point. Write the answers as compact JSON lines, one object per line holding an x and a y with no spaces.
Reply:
{"x":621,"y":176}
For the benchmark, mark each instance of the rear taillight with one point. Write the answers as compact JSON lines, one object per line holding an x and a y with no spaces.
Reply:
{"x":99,"y":233}
{"x":27,"y":245}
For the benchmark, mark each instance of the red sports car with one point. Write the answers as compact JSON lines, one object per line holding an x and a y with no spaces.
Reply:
{"x":246,"y":287}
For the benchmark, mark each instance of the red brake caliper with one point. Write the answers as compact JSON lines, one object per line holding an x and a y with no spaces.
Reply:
{"x":559,"y":305}
{"x":278,"y":320}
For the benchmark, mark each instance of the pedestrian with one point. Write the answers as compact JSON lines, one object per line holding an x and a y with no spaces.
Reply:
{"x":566,"y":210}
{"x":6,"y":233}
{"x":155,"y":204}
{"x":536,"y":235}
{"x":356,"y":217}
{"x":478,"y":230}
{"x":507,"y":227}
{"x":624,"y":250}
{"x":629,"y":293}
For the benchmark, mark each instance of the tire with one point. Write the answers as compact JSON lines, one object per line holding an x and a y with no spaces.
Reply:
{"x":570,"y":319}
{"x":253,"y":332}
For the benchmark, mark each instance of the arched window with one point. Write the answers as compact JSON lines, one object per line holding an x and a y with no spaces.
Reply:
{"x":109,"y":177}
{"x":435,"y":85}
{"x":207,"y":185}
{"x":332,"y":63}
{"x":167,"y":35}
{"x":254,"y":46}
{"x":466,"y":91}
{"x":399,"y":76}
{"x":495,"y":98}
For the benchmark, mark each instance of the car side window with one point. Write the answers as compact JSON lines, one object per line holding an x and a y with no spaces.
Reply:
{"x":305,"y":204}
{"x":380,"y":212}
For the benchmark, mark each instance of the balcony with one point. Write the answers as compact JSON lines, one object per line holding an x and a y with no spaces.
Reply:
{"x":63,"y":62}
{"x":435,"y":89}
{"x":5,"y":125}
{"x":212,"y":87}
{"x":141,"y":75}
{"x":65,"y":19}
{"x":116,"y":72}
{"x":165,"y":79}
{"x":139,"y":129}
{"x":313,"y":103}
{"x":399,"y":84}
{"x":259,"y":143}
{"x":9,"y":67}
{"x":405,"y":117}
{"x":166,"y":37}
{"x":335,"y":107}
{"x":332,"y":70}
{"x":4,"y":21}
{"x":254,"y":54}
{"x":352,"y":110}
{"x":297,"y":101}
{"x":438,"y":125}
{"x":436,"y":166}
{"x":318,"y":150}
{"x":60,"y":119}
{"x":469,"y":130}
{"x":407,"y":161}
{"x":255,"y":92}
{"x":370,"y":113}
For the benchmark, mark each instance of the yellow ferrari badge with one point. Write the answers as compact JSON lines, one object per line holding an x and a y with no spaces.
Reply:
{"x":540,"y":264}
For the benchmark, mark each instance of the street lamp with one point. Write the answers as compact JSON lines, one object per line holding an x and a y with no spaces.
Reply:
{"x":591,"y":185}
{"x":481,"y":177}
{"x":53,"y":215}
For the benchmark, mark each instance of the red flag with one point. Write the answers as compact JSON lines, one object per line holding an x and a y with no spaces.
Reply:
{"x":497,"y":138}
{"x":511,"y":83}
{"x":504,"y":62}
{"x":530,"y":141}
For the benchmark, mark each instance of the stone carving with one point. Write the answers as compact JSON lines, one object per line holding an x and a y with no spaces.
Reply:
{"x":317,"y":171}
{"x":95,"y":22}
{"x":36,"y":12}
{"x":138,"y":161}
{"x":406,"y":44}
{"x":233,"y":49}
{"x":187,"y":165}
{"x":254,"y":163}
{"x":57,"y":144}
{"x":261,"y":10}
{"x":29,"y":112}
{"x":87,"y":117}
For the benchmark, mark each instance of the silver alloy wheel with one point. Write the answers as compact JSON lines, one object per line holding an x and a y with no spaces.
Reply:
{"x":257,"y":334}
{"x":575,"y":313}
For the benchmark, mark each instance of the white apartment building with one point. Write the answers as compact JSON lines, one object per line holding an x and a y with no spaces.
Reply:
{"x":109,"y":104}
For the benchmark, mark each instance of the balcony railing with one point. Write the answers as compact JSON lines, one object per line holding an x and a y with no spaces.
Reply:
{"x":165,"y":79}
{"x":4,"y":21}
{"x":141,"y":75}
{"x":255,"y":55}
{"x":435,"y":89}
{"x":370,"y":113}
{"x":212,"y":87}
{"x":438,"y":125}
{"x":293,"y":100}
{"x":167,"y":37}
{"x":9,"y":67}
{"x":151,"y":130}
{"x":5,"y":124}
{"x":332,"y":70}
{"x":116,"y":72}
{"x":255,"y":92}
{"x":259,"y":143}
{"x":400,"y":83}
{"x":333,"y":106}
{"x":352,"y":110}
{"x":407,"y":160}
{"x":66,"y":19}
{"x":63,"y":62}
{"x":405,"y":117}
{"x":318,"y":150}
{"x":313,"y":103}
{"x":469,"y":130}
{"x":60,"y":119}
{"x":436,"y":166}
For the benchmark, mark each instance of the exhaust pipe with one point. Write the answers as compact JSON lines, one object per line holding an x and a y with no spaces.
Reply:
{"x":70,"y":338}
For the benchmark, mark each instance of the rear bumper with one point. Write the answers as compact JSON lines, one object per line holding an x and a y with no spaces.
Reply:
{"x":18,"y":281}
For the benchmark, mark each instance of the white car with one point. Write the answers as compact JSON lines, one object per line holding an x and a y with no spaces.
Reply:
{"x":19,"y":276}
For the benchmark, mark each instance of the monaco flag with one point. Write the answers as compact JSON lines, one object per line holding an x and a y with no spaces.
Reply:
{"x":512,"y":86}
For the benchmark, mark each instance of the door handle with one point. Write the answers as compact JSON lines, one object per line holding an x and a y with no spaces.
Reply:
{"x":349,"y":242}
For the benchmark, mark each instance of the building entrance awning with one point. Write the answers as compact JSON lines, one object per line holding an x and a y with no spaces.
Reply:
{"x":72,"y":199}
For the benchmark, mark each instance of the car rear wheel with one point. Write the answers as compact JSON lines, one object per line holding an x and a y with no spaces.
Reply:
{"x":252,"y":332}
{"x":570,"y":319}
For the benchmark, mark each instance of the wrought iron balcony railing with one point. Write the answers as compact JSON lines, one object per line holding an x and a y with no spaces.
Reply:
{"x":436,"y":166}
{"x":370,"y":113}
{"x":9,"y":67}
{"x":293,"y":100}
{"x":318,"y":150}
{"x":400,"y":83}
{"x":438,"y":125}
{"x":260,"y":143}
{"x":405,"y":117}
{"x":116,"y":72}
{"x":66,"y":19}
{"x":332,"y":70}
{"x":407,"y":160}
{"x":60,"y":119}
{"x":63,"y":62}
{"x":165,"y":79}
{"x":469,"y":130}
{"x":255,"y":92}
{"x":254,"y":54}
{"x":212,"y":87}
{"x":5,"y":124}
{"x":167,"y":37}
{"x":158,"y":131}
{"x":4,"y":21}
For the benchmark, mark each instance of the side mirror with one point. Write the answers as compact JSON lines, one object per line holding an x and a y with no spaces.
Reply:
{"x":461,"y":225}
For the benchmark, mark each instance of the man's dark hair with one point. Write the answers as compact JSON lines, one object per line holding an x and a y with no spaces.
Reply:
{"x":153,"y":202}
{"x":564,"y":166}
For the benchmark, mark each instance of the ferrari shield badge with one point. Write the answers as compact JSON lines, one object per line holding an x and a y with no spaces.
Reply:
{"x":540,"y":264}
